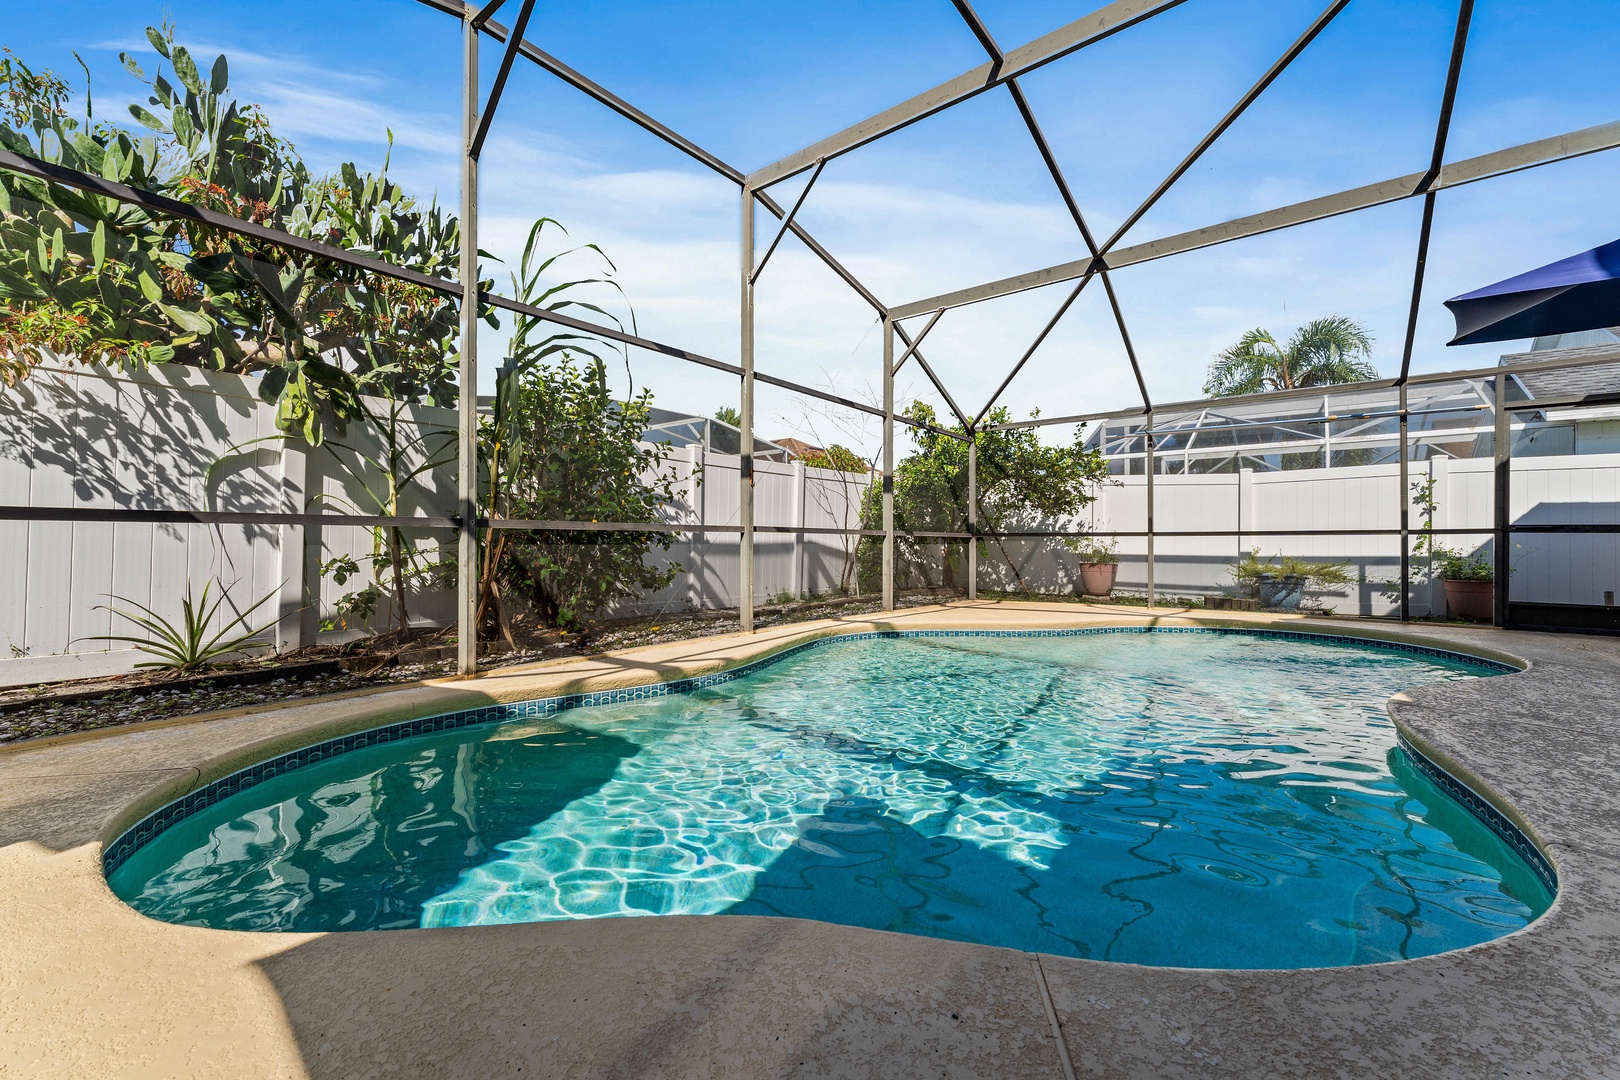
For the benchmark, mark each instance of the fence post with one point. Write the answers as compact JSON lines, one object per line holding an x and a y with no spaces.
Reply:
{"x":798,"y":523}
{"x":697,"y":514}
{"x":1147,"y":444}
{"x":1246,"y":523}
{"x":294,"y":497}
{"x":888,"y":464}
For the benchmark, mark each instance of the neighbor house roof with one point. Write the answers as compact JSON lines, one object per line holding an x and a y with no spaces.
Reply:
{"x":798,"y":448}
{"x":1569,"y":382}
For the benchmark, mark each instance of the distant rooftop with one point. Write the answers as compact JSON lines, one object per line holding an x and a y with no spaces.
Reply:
{"x":1570,"y":382}
{"x":684,"y":429}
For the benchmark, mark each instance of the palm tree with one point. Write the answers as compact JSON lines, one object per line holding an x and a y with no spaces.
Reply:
{"x":1321,"y":353}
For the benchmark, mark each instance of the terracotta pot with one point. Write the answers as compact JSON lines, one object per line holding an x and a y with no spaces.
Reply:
{"x":1097,"y":578}
{"x":1279,"y":590}
{"x":1474,"y":600}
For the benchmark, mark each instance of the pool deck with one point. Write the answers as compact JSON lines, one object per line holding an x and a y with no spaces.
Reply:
{"x":90,"y":988}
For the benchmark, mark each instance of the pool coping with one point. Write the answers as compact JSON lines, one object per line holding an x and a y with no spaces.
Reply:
{"x":88,"y":986}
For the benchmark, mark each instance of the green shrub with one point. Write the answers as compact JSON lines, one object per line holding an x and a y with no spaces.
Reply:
{"x":1453,"y":565}
{"x":1099,"y":550}
{"x":1248,"y":571}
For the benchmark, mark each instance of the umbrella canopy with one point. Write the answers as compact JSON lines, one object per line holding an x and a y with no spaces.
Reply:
{"x":1581,"y":292}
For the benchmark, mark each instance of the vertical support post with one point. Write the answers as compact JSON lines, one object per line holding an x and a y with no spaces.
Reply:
{"x":1405,"y":497}
{"x":745,"y":471}
{"x":888,"y":464}
{"x":1327,"y":432}
{"x":467,"y":375}
{"x":1147,"y":444}
{"x":973,"y":517}
{"x":1503,"y":479}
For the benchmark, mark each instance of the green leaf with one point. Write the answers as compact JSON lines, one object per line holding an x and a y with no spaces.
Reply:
{"x":158,"y":42}
{"x":184,"y":130}
{"x":185,"y":68}
{"x":150,"y":287}
{"x":131,"y":66}
{"x":271,"y":386}
{"x":98,"y":246}
{"x":187,"y":319}
{"x":160,"y":354}
{"x":13,"y":287}
{"x":220,"y":76}
{"x":148,"y":119}
{"x":110,"y":297}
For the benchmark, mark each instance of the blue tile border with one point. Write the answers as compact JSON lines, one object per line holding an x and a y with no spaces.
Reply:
{"x":144,"y":831}
{"x":1493,"y":819}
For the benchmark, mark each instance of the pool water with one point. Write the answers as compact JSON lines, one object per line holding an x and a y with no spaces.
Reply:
{"x":1230,"y":800}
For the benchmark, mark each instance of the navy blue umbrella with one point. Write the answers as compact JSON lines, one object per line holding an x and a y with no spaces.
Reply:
{"x":1581,"y":292}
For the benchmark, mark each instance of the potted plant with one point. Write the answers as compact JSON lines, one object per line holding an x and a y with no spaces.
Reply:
{"x":1470,"y":583}
{"x":1281,"y":582}
{"x":1099,"y":564}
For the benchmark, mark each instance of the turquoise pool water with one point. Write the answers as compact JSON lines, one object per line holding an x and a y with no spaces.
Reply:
{"x":1197,"y":799}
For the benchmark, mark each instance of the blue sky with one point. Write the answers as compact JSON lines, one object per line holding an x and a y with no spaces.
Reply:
{"x":959,"y":198}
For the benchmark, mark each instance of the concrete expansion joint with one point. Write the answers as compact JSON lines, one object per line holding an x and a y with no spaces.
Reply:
{"x":1051,"y":1016}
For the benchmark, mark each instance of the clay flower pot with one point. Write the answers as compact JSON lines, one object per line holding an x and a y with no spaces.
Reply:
{"x":1097,"y":578}
{"x":1474,"y":600}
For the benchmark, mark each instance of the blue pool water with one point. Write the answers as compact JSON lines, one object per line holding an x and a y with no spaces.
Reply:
{"x":1199,"y":799}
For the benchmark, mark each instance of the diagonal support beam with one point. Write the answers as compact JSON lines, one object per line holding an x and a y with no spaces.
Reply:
{"x":476,"y":147}
{"x":606,"y":97}
{"x":1442,"y":129}
{"x":933,"y":377}
{"x":912,"y":347}
{"x":939,"y":384}
{"x":486,"y":13}
{"x":1272,"y":73}
{"x":1057,"y":316}
{"x":600,"y":94}
{"x":787,"y":222}
{"x":988,"y":41}
{"x":1087,"y":30}
{"x":1529,"y":155}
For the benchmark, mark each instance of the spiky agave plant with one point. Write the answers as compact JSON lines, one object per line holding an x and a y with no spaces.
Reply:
{"x":188,"y":646}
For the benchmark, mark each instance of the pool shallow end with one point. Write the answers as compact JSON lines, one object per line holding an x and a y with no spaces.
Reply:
{"x":91,"y":986}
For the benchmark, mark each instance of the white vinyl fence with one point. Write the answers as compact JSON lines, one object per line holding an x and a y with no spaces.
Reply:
{"x":179,"y":438}
{"x":792,"y":495}
{"x":1548,"y":568}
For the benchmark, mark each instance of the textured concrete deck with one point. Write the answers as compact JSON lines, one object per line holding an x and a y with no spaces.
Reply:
{"x":89,"y":988}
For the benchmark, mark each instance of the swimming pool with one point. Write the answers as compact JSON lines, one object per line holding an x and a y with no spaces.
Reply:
{"x":1195,"y":798}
